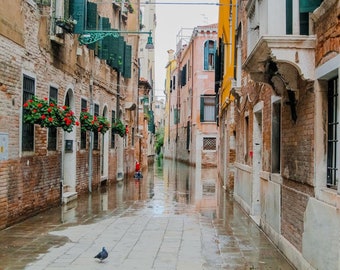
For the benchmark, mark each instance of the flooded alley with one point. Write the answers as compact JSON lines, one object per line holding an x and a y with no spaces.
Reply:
{"x":175,"y":217}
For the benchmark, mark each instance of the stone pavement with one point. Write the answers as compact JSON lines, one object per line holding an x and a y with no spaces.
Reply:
{"x":168,"y":230}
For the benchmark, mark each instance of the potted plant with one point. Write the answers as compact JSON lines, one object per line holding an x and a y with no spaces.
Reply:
{"x":119,"y":128}
{"x":48,"y":114}
{"x":66,"y":24}
{"x":94,"y":123}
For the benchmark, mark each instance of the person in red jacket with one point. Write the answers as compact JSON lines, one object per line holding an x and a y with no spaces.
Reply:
{"x":138,"y":173}
{"x":137,"y":167}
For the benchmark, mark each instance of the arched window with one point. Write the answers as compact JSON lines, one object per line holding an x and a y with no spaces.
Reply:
{"x":209,"y":55}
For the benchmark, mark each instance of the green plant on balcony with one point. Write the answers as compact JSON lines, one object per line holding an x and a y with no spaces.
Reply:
{"x":118,"y":127}
{"x":48,"y":114}
{"x":66,"y":24}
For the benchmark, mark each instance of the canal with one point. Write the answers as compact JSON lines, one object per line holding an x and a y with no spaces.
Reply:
{"x":175,"y":217}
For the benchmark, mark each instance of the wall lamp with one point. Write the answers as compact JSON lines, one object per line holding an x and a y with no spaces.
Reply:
{"x":91,"y":36}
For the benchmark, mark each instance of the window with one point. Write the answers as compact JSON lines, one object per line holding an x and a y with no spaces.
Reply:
{"x":209,"y":143}
{"x":276,"y":136}
{"x":209,"y":55}
{"x":176,"y":116}
{"x":246,"y":139}
{"x":333,"y":162}
{"x":96,"y":133}
{"x":208,"y":108}
{"x":52,"y":131}
{"x":28,"y":90}
{"x":83,"y":132}
{"x":305,"y":7}
{"x":113,"y":119}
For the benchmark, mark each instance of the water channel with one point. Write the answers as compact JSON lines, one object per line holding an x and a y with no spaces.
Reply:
{"x":229,"y":238}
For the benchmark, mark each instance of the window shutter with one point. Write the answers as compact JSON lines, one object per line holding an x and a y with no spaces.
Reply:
{"x":103,"y":50}
{"x":121,"y":50}
{"x":127,"y":62}
{"x":289,"y":17}
{"x":77,"y":12}
{"x":202,"y":109}
{"x":206,"y":54}
{"x":309,"y":5}
{"x":91,"y":21}
{"x":217,"y":71}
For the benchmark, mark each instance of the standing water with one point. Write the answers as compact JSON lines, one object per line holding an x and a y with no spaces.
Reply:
{"x":175,"y":217}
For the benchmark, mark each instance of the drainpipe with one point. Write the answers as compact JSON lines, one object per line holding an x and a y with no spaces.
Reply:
{"x":91,"y":136}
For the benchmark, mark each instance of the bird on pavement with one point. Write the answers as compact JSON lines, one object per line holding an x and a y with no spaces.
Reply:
{"x":102,"y":255}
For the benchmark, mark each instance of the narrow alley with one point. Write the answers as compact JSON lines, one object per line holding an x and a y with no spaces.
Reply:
{"x":176,"y":217}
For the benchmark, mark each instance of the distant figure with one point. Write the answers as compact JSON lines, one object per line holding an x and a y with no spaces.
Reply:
{"x":138,"y":173}
{"x":137,"y":166}
{"x":102,"y":255}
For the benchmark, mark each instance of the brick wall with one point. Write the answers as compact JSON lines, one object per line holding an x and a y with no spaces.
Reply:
{"x":29,"y":182}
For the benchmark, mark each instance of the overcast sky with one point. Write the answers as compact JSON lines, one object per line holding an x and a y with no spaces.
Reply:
{"x":171,"y":18}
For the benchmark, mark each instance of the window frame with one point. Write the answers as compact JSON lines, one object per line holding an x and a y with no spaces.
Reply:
{"x":27,"y":129}
{"x":52,"y":132}
{"x":203,"y":105}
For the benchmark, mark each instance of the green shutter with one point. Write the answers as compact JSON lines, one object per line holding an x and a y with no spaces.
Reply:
{"x":103,"y":45}
{"x":91,"y":21}
{"x":217,"y":70}
{"x":289,"y":17}
{"x":206,"y":53}
{"x":115,"y":58}
{"x":309,"y":5}
{"x":121,"y":52}
{"x":202,"y":110}
{"x":77,"y":12}
{"x":151,"y":123}
{"x":127,"y":61}
{"x":91,"y":16}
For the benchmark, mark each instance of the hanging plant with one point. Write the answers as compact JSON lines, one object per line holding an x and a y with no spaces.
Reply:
{"x":94,"y":123}
{"x":119,"y":128}
{"x":66,"y":24}
{"x":48,"y":114}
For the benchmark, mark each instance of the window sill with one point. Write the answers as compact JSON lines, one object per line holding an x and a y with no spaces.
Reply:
{"x":329,"y":196}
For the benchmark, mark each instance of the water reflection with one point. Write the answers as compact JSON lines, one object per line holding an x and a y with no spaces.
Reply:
{"x":167,"y":188}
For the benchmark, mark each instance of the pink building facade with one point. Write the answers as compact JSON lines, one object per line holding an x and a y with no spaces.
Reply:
{"x":191,"y":110}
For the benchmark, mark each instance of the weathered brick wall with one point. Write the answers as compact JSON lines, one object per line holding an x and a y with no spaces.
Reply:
{"x":29,"y":182}
{"x":294,"y":202}
{"x":327,"y":30}
{"x":298,"y":140}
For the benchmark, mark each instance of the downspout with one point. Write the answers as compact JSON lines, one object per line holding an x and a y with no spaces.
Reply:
{"x":91,"y":136}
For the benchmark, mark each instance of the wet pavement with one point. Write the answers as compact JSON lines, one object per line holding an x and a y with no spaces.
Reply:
{"x":176,"y":217}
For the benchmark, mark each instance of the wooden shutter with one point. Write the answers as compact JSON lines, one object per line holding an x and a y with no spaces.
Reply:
{"x":77,"y":12}
{"x":127,"y":61}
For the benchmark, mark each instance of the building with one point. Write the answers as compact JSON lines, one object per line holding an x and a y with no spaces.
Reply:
{"x":57,"y":51}
{"x":285,"y":125}
{"x":191,"y":132}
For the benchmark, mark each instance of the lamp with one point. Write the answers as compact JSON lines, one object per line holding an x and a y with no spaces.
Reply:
{"x":91,"y":36}
{"x":149,"y":44}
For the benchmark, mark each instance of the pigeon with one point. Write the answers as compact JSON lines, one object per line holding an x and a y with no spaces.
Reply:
{"x":102,"y":255}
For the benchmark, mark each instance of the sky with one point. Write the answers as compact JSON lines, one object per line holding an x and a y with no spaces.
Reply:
{"x":171,"y":18}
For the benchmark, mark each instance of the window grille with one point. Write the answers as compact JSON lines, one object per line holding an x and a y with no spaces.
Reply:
{"x":52,"y":131}
{"x":209,"y":143}
{"x":333,"y":131}
{"x":27,"y":128}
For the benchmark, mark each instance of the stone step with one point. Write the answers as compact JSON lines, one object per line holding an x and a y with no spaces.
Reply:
{"x":69,"y":196}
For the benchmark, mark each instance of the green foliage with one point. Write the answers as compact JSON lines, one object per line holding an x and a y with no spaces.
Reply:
{"x":159,"y":140}
{"x":48,"y":114}
{"x":93,"y":123}
{"x":119,"y":128}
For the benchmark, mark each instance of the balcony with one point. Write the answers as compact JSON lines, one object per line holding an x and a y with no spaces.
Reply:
{"x":293,"y":55}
